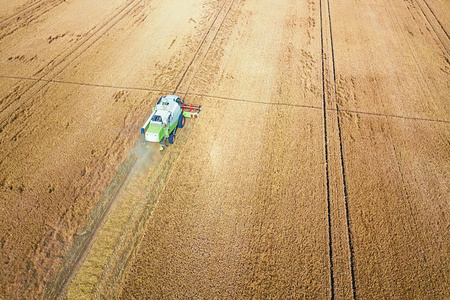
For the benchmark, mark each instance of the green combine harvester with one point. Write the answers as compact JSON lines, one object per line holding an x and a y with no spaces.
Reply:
{"x":169,"y":114}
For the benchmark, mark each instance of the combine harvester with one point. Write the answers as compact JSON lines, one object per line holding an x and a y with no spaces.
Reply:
{"x":168,"y":115}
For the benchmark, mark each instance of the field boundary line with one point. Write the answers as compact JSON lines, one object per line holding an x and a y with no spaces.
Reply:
{"x":150,"y":89}
{"x":391,"y":116}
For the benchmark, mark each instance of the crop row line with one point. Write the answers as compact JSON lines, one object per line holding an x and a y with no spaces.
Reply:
{"x":78,"y":251}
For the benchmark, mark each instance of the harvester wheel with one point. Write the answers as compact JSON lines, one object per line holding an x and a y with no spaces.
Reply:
{"x":171,"y":139}
{"x":181,"y":121}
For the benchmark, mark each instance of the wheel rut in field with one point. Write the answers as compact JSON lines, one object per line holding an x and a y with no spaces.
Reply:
{"x":342,"y":277}
{"x":9,"y":113}
{"x":57,"y":66}
{"x":26,"y":15}
{"x":325,"y":136}
{"x":341,"y":150}
{"x":436,"y":25}
{"x":20,"y":11}
{"x":202,"y":51}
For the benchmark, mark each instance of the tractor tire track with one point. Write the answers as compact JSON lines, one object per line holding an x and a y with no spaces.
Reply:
{"x":439,"y":30}
{"x":202,"y":43}
{"x":153,"y":89}
{"x":206,"y":52}
{"x":342,"y":163}
{"x":337,"y":198}
{"x":6,"y":19}
{"x":54,"y":64}
{"x":25,"y":16}
{"x":325,"y":136}
{"x":67,"y":59}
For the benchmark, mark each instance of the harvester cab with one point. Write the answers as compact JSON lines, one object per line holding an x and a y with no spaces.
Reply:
{"x":169,"y":114}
